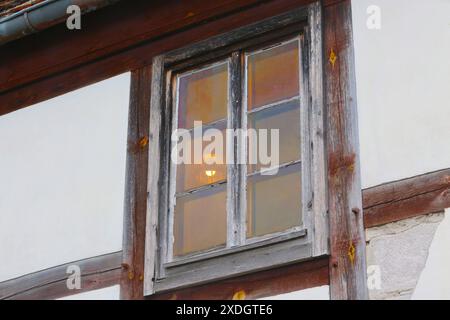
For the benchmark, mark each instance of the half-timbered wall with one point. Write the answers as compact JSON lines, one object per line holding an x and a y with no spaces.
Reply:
{"x":59,"y":205}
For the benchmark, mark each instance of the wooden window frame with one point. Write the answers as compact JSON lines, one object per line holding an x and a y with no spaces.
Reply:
{"x":280,"y":249}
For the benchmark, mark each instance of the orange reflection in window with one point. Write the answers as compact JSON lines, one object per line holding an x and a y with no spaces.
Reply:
{"x":200,"y":221}
{"x":213,"y":167}
{"x":274,"y":202}
{"x":203,"y":96}
{"x":286,"y":119}
{"x":273,"y":75}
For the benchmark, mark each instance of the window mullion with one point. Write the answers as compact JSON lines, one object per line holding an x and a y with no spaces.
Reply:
{"x":236,"y":227}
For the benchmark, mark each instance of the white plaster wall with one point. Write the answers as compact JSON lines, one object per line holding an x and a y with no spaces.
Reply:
{"x":403,"y":88}
{"x":400,"y":251}
{"x":62,"y":168}
{"x":434,"y":281}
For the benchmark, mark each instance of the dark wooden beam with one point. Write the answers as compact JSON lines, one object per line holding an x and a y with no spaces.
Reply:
{"x":347,"y":239}
{"x":108,"y":30}
{"x":407,"y":198}
{"x":258,"y":285}
{"x":135,"y":207}
{"x":96,"y":273}
{"x":61,"y":62}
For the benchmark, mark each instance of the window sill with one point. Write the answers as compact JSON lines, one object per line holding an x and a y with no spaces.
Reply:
{"x":221,"y":264}
{"x":270,"y":239}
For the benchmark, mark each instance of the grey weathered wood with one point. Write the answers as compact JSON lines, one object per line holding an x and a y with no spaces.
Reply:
{"x":317,"y":133}
{"x":347,"y":238}
{"x":135,"y":202}
{"x":154,"y":172}
{"x":312,"y":111}
{"x":270,"y":239}
{"x":96,"y":273}
{"x":235,"y":264}
{"x":294,"y":17}
{"x":308,"y":212}
{"x":235,"y":187}
{"x":167,"y":225}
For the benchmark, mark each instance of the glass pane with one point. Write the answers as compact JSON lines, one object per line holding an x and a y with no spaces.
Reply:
{"x":274,"y":202}
{"x":273,"y":75}
{"x":212,"y":157}
{"x":203,"y":96}
{"x":285,"y":118}
{"x":200,"y":221}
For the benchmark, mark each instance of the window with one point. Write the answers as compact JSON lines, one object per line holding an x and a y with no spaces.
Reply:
{"x":234,"y":163}
{"x":272,"y":95}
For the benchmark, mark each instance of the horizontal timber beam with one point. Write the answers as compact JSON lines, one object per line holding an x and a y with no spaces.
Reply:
{"x":406,"y":198}
{"x":96,"y":273}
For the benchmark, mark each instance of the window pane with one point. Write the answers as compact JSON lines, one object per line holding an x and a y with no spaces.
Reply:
{"x":285,"y":118}
{"x":203,"y":96}
{"x":193,"y":175}
{"x":274,"y":202}
{"x":200,"y":221}
{"x":273,"y":75}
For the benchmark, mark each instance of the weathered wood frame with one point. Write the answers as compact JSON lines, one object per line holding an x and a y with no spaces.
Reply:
{"x":282,"y":249}
{"x":96,"y":273}
{"x":406,"y":198}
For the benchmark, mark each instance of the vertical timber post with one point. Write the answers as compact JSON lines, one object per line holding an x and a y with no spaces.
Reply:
{"x":347,"y":239}
{"x":135,"y":206}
